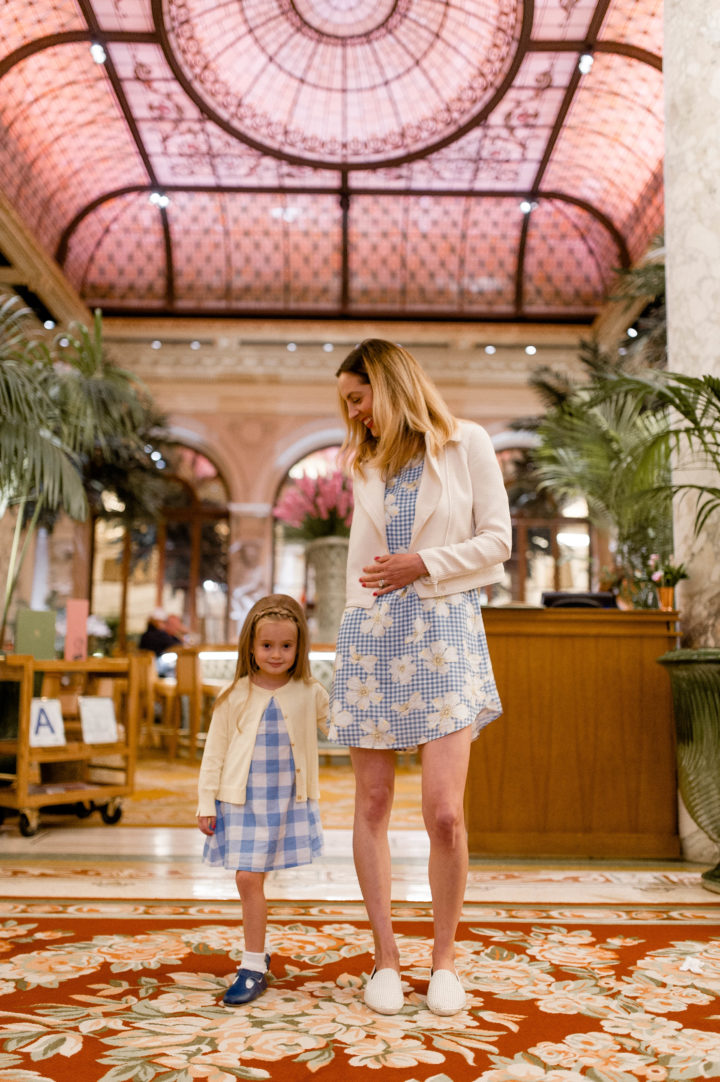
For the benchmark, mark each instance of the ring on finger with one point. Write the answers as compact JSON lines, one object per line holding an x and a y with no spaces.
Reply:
{"x":382,"y":584}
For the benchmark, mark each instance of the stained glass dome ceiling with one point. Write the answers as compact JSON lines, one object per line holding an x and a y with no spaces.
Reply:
{"x":388,"y":159}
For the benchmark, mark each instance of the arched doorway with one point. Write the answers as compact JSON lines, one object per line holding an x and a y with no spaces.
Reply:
{"x":178,"y":562}
{"x":289,"y":573}
{"x":553,"y":546}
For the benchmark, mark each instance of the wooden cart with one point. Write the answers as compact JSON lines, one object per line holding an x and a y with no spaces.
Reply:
{"x":75,"y":776}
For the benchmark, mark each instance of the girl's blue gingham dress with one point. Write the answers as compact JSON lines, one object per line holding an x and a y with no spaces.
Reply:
{"x":271,"y":829}
{"x":409,"y":670}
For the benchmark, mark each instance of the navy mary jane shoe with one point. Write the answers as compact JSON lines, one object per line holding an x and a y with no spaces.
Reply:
{"x":246,"y":987}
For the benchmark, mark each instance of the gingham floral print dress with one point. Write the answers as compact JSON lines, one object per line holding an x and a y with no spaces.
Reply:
{"x":409,"y":670}
{"x":272,"y":829}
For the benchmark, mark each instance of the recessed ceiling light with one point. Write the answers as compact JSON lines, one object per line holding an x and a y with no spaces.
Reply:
{"x":328,"y":347}
{"x":490,"y":349}
{"x":49,"y":324}
{"x":291,"y":347}
{"x":98,"y":53}
{"x":159,"y":199}
{"x":585,"y":63}
{"x":195,"y":344}
{"x":156,"y":343}
{"x":632,"y":332}
{"x":530,"y":350}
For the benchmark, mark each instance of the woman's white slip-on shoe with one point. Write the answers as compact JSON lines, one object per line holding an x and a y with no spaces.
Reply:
{"x":383,"y":991}
{"x":445,"y":994}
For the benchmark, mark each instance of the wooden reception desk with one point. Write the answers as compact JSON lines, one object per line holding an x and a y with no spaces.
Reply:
{"x":582,"y":762}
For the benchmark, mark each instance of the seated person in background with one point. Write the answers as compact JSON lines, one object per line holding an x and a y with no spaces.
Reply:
{"x":175,"y":626}
{"x":157,"y":636}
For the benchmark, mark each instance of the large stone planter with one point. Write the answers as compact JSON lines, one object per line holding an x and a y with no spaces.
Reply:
{"x":695,"y":682}
{"x":327,"y":567}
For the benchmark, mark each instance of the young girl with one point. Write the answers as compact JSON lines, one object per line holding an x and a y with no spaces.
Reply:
{"x":258,"y":786}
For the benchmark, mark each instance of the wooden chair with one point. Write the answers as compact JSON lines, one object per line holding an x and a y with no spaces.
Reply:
{"x":155,"y":704}
{"x":183,"y":701}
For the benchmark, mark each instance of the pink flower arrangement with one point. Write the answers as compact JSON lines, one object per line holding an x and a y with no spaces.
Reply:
{"x":665,"y":572}
{"x":313,"y":507}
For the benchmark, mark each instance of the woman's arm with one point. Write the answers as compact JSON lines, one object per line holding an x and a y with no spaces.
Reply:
{"x":475,"y":504}
{"x":489,"y":534}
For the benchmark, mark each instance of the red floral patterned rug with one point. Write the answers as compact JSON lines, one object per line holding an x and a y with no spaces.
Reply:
{"x":111,"y":992}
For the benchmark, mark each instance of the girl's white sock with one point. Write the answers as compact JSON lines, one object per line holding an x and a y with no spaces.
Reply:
{"x":254,"y":962}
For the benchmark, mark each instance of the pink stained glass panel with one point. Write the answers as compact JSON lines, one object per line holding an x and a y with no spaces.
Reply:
{"x":635,"y":22}
{"x":625,"y":152}
{"x":65,"y":139}
{"x":117,"y":254}
{"x":567,"y":260}
{"x":25,"y":21}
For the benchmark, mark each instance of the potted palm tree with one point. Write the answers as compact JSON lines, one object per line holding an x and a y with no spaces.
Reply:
{"x":615,"y":439}
{"x":692,"y":404}
{"x":589,"y":445}
{"x":67,"y":412}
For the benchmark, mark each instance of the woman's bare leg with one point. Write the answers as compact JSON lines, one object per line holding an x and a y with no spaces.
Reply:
{"x":444,"y":772}
{"x":374,"y":790}
{"x":251,"y":888}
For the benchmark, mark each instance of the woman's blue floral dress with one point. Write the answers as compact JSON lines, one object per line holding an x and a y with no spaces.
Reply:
{"x":409,"y":670}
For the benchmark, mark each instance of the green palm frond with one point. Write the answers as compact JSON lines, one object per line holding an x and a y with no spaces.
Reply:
{"x":594,"y":448}
{"x":99,"y":402}
{"x":40,"y":470}
{"x":65,"y":407}
{"x":691,"y":436}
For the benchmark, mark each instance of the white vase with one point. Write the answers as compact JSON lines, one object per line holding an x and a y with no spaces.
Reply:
{"x":326,"y":559}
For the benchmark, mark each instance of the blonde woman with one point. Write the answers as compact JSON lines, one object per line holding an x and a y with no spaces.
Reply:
{"x":431,"y":526}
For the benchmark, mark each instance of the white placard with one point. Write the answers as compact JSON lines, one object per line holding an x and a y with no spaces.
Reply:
{"x":97,"y":717}
{"x":46,"y":724}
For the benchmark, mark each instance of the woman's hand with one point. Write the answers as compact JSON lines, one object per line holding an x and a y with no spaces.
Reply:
{"x":206,"y":823}
{"x":389,"y":573}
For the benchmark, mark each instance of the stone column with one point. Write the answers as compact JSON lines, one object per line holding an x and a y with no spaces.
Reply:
{"x":692,"y":241}
{"x":691,"y":62}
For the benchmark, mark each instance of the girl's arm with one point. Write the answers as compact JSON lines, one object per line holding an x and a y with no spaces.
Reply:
{"x":216,"y":746}
{"x":322,"y":705}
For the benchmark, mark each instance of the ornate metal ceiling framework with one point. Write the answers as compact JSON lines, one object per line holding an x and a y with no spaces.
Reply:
{"x":335,"y":158}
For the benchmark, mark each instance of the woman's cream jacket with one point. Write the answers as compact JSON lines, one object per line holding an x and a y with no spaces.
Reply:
{"x":462,"y":519}
{"x":233,"y":731}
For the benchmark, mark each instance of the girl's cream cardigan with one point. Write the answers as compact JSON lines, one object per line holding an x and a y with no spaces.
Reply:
{"x":233,"y":730}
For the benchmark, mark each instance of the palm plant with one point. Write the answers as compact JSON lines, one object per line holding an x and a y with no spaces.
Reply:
{"x":64,"y":405}
{"x":690,"y":437}
{"x":592,"y":446}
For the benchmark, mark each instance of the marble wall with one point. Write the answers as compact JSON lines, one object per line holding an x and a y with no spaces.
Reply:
{"x":692,"y":239}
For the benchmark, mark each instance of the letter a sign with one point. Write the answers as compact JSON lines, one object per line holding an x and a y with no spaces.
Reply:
{"x":46,"y":724}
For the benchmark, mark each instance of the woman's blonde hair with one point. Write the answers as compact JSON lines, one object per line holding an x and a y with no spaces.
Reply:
{"x":407,"y":407}
{"x":272,"y":607}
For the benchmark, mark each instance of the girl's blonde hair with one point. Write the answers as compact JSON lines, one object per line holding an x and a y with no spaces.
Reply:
{"x":272,"y":607}
{"x":407,"y":407}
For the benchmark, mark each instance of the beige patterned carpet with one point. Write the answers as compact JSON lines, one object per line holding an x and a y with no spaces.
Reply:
{"x":165,"y":795}
{"x":112,"y":993}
